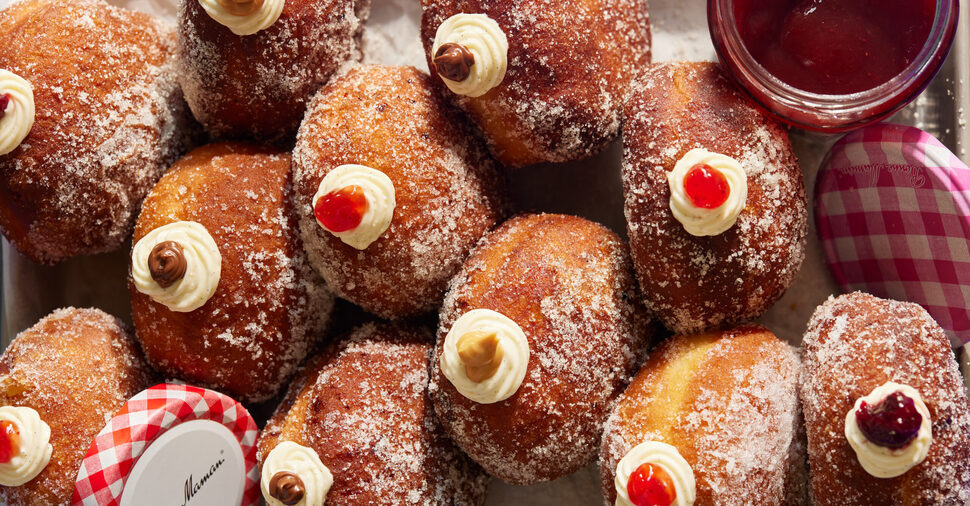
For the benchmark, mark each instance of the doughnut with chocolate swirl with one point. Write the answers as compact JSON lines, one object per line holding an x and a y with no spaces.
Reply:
{"x":268,"y":305}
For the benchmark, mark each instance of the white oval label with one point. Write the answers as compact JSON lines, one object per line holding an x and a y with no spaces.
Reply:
{"x":198,"y":462}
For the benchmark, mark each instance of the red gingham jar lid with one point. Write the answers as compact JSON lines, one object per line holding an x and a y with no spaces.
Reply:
{"x":892,"y":208}
{"x":173,"y":444}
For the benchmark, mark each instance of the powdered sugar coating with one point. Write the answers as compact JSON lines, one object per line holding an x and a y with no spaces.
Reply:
{"x":855,"y":343}
{"x":729,"y":403}
{"x":448,"y":191}
{"x":269,"y":306}
{"x":76,"y":367}
{"x":695,"y":283}
{"x":570,"y":66}
{"x":568,"y":283}
{"x":362,"y":405}
{"x":109,"y":119}
{"x":258,"y":86}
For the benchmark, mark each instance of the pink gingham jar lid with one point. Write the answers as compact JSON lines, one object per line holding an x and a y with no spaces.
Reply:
{"x":173,"y":444}
{"x":892,"y":208}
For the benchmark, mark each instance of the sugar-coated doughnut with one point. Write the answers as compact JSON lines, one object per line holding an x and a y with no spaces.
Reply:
{"x":75,"y":369}
{"x":727,"y":402}
{"x":107,"y":119}
{"x":538,"y":335}
{"x":857,"y":345}
{"x":257,"y":86}
{"x":704,"y":267}
{"x":544,"y":80}
{"x":222,"y":294}
{"x":360,"y":410}
{"x":429,"y":188}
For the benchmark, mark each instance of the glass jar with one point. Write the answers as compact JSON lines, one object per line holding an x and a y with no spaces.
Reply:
{"x":821,"y":112}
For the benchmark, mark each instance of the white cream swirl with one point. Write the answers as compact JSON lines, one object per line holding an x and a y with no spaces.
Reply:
{"x":379,"y":191}
{"x":303,"y":462}
{"x":699,"y":221}
{"x":260,"y":19}
{"x":515,"y":356}
{"x":35,"y":447}
{"x":486,"y":41}
{"x":880,"y":461}
{"x":203,"y":266}
{"x":18,"y":117}
{"x":663,"y":455}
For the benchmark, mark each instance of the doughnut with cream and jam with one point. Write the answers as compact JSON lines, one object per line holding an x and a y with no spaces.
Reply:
{"x":714,"y":200}
{"x":886,"y":412}
{"x":392,"y":189}
{"x":91,"y":115}
{"x":719,"y":414}
{"x":60,"y":381}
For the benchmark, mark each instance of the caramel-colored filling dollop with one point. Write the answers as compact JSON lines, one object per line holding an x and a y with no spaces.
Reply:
{"x":481,"y":353}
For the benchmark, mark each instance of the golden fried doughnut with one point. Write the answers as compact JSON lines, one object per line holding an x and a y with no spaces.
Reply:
{"x":109,"y":120}
{"x":258,"y":86}
{"x":693,"y":283}
{"x":567,"y":283}
{"x":855,"y":343}
{"x":269,"y":305}
{"x":363,"y":407}
{"x":569,"y":68}
{"x":728,"y":402}
{"x":76,"y":368}
{"x":448,"y":191}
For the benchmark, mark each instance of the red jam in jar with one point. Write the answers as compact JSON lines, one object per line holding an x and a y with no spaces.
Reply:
{"x":834,"y":47}
{"x":832,"y":65}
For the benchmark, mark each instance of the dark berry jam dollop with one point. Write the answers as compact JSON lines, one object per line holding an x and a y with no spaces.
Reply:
{"x":893,"y":423}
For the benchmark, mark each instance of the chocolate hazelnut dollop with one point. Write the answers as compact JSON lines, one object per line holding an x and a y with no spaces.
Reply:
{"x":166,"y":263}
{"x":453,"y":61}
{"x":286,"y":487}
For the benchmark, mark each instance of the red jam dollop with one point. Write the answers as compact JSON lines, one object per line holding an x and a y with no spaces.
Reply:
{"x":650,"y":485}
{"x":4,"y":102}
{"x":893,"y":423}
{"x":9,"y":441}
{"x":341,"y":210}
{"x":706,"y":187}
{"x":834,"y":47}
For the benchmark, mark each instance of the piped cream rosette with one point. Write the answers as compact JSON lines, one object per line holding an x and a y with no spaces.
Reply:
{"x":18,"y":115}
{"x":663,"y":455}
{"x":35,"y":447}
{"x":699,"y":221}
{"x":304,"y":462}
{"x":203,"y":266}
{"x":486,"y":41}
{"x":379,"y":192}
{"x":260,"y":18}
{"x":511,"y":371}
{"x":880,"y":461}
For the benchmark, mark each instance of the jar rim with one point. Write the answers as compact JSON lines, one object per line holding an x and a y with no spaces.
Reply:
{"x":843,"y":111}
